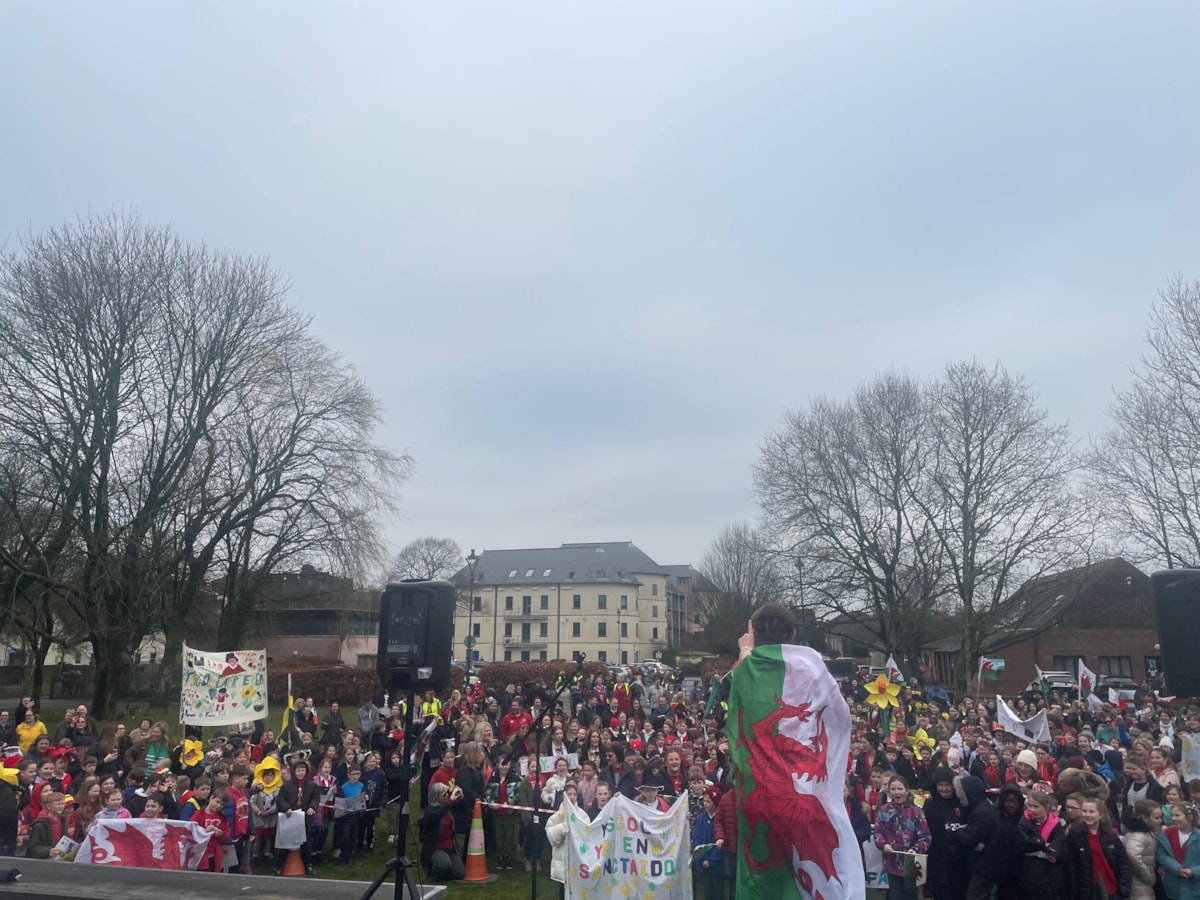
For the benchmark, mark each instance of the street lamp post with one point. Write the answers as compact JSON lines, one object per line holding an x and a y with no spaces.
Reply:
{"x":469,"y":642}
{"x":620,"y":657}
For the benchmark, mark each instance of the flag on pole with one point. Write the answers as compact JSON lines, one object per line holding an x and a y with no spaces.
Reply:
{"x":893,"y":670}
{"x":423,"y":741}
{"x":1035,"y":729}
{"x":789,"y":736}
{"x":1087,"y":680}
{"x":287,"y":712}
{"x":990,"y":668}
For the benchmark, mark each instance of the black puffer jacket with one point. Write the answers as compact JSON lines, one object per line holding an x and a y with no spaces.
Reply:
{"x":1002,"y":858}
{"x":1077,"y":862}
{"x":1042,"y":876}
{"x":947,"y":874}
{"x":980,"y":819}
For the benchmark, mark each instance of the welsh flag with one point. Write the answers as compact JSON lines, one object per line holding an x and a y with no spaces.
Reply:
{"x":893,"y":670}
{"x":789,"y":736}
{"x":990,"y":668}
{"x":143,"y":843}
{"x":1087,"y":680}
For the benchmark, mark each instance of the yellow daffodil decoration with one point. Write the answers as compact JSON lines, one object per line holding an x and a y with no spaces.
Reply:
{"x":882,"y":692}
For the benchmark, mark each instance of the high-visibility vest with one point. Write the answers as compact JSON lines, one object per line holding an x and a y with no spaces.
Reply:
{"x":431,"y":708}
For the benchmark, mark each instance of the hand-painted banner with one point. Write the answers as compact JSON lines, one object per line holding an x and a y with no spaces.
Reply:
{"x":144,"y":843}
{"x":630,"y":850}
{"x":223,"y":688}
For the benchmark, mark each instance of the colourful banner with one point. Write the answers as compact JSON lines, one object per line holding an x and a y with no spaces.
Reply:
{"x":630,"y":850}
{"x":144,"y":843}
{"x":223,"y":688}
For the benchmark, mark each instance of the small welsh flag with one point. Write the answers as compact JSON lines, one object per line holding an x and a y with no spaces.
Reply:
{"x":990,"y":668}
{"x":915,"y":865}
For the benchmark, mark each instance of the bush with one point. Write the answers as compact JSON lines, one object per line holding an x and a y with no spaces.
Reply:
{"x":327,"y":681}
{"x":715,"y":665}
{"x":495,"y":677}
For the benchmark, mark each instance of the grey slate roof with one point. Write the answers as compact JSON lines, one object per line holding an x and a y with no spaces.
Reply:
{"x":618,"y":562}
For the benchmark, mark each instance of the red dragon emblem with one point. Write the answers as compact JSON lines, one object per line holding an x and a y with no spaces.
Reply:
{"x":778,"y":804}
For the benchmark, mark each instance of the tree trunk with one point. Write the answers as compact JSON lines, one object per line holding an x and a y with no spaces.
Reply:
{"x":166,"y":688}
{"x":111,"y":659}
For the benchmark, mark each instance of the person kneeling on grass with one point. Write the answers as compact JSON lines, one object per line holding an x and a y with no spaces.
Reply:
{"x":439,"y":855}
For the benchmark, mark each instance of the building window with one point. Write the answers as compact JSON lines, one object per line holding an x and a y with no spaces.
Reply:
{"x":543,"y":629}
{"x":545,"y":601}
{"x":524,"y":656}
{"x":508,"y":629}
{"x":529,"y":573}
{"x":478,"y":604}
{"x":602,"y":601}
{"x":1116,"y":665}
{"x":624,"y":602}
{"x":624,"y":657}
{"x":1065,"y":664}
{"x":475,"y":630}
{"x":602,"y":656}
{"x":602,"y":629}
{"x":655,"y":637}
{"x":79,"y":657}
{"x":654,"y":590}
{"x":1153,"y":666}
{"x":546,"y":574}
{"x":624,"y":629}
{"x":508,"y":603}
{"x":575,"y":630}
{"x":576,"y":602}
{"x":508,"y":656}
{"x":526,"y":605}
{"x":654,"y":612}
{"x":512,"y":574}
{"x":542,"y":654}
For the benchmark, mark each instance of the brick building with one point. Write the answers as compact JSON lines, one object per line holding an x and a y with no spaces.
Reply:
{"x":1102,"y":613}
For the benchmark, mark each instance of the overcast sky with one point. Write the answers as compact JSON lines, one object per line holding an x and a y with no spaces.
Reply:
{"x":589,"y":254}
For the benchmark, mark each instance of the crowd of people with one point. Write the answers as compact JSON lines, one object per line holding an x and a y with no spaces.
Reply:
{"x":1101,"y":809}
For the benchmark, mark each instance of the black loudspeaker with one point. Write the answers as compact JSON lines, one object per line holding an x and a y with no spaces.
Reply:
{"x":1177,"y":601}
{"x":416,"y":621}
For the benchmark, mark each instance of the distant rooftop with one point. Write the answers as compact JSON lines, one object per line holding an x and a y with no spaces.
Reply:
{"x":613,"y":562}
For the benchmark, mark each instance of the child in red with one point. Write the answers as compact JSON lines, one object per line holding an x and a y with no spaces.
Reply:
{"x":210,"y":819}
{"x":237,"y":814}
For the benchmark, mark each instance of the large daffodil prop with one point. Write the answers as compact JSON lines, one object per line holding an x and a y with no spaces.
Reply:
{"x":885,"y":694}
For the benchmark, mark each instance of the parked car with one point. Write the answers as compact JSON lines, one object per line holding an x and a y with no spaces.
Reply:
{"x":1125,"y":686}
{"x":1064,"y":682}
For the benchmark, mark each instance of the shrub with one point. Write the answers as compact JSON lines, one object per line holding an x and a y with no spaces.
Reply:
{"x":715,"y":665}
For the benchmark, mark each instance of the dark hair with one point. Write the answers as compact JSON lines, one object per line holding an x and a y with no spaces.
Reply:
{"x":773,"y":624}
{"x":201,"y":781}
{"x":239,"y":771}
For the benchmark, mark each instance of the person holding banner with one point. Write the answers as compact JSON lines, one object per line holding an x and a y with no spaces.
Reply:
{"x":557,"y":829}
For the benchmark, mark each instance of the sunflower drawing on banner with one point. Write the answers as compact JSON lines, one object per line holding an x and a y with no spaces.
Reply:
{"x":884,"y":694}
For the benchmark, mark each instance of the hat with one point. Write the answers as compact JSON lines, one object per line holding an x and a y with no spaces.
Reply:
{"x":635,"y":744}
{"x":1028,"y":757}
{"x":191,"y":752}
{"x":614,"y":723}
{"x":649,"y":788}
{"x":713,"y":793}
{"x":1166,"y":743}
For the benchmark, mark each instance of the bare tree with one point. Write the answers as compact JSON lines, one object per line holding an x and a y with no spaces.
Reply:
{"x":1000,"y":496}
{"x":428,"y":558}
{"x":180,"y":408}
{"x":1146,"y":470}
{"x":738,"y":574}
{"x":834,"y":486}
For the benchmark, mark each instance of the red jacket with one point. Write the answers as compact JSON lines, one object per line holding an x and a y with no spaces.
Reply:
{"x":621,"y":693}
{"x":512,"y":723}
{"x":725,"y":823}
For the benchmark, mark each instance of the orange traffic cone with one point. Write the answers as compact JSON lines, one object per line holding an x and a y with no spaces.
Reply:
{"x":476,"y":859}
{"x":294,"y":864}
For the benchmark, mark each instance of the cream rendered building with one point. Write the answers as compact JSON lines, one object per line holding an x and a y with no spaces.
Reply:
{"x":608,"y":600}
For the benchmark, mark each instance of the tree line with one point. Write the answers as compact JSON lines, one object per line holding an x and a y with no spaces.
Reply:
{"x":916,"y":503}
{"x":171,"y":433}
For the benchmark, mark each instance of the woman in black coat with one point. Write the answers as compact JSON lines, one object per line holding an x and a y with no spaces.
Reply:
{"x":948,"y":876}
{"x":1039,"y":842}
{"x":974,"y":840}
{"x":299,"y":796}
{"x":1077,"y":856}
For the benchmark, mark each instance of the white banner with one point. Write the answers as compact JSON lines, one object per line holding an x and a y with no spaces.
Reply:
{"x":631,"y":850}
{"x":1035,"y":730}
{"x":223,"y":688}
{"x":144,"y":843}
{"x":1189,"y":762}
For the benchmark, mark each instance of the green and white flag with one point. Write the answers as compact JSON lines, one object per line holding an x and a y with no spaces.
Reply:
{"x":789,"y":736}
{"x":990,"y":668}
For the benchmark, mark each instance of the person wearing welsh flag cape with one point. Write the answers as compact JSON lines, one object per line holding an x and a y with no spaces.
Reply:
{"x":789,"y":736}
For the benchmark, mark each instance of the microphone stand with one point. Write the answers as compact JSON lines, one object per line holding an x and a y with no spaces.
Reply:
{"x":563,"y":684}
